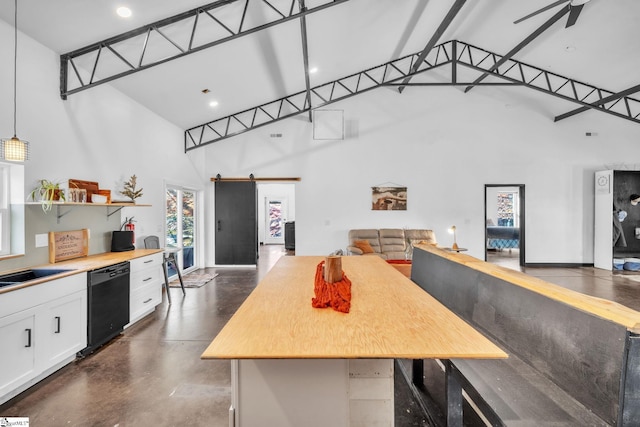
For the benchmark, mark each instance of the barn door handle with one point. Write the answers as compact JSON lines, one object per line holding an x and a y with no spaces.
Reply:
{"x":219,"y":225}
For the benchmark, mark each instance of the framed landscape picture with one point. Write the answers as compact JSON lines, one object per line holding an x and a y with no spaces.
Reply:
{"x":389,"y":198}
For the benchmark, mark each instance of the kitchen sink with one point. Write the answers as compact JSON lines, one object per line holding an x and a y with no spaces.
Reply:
{"x":27,"y":275}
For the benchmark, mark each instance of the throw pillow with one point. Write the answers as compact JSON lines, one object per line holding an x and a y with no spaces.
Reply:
{"x":364,"y":246}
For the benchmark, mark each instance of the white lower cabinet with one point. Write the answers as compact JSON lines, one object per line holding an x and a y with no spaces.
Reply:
{"x":145,"y":286}
{"x":42,"y":327}
{"x":66,"y":327}
{"x":18,"y":350}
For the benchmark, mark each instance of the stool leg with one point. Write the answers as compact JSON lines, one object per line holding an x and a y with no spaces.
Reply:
{"x":166,"y":279}
{"x":175,"y":264}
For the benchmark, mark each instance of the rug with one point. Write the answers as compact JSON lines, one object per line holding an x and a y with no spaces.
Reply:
{"x":194,"y":280}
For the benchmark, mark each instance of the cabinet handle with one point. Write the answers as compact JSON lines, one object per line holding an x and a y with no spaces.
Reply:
{"x":28,"y":337}
{"x":147,"y":279}
{"x":148,"y":261}
{"x":219,"y":225}
{"x":149,"y":300}
{"x":57,"y":331}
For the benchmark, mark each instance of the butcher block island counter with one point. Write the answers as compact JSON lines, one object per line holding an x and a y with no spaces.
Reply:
{"x":298,"y":365}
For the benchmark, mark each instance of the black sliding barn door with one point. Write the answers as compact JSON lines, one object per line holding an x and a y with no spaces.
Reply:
{"x":236,"y":223}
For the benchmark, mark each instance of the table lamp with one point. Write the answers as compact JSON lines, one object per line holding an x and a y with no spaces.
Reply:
{"x":452,"y":230}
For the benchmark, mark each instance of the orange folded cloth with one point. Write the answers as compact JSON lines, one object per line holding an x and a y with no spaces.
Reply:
{"x":335,"y":295}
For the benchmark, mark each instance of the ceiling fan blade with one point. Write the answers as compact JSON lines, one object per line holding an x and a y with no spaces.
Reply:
{"x":574,"y":12}
{"x":547,"y":7}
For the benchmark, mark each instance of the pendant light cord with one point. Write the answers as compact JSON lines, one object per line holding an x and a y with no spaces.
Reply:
{"x":15,"y":66}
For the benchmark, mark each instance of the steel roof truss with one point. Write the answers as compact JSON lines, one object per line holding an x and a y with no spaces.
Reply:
{"x":71,"y":83}
{"x":567,"y":88}
{"x":602,"y":101}
{"x":522,"y":44}
{"x":340,"y":89}
{"x":305,"y":51}
{"x":455,"y":8}
{"x":514,"y":72}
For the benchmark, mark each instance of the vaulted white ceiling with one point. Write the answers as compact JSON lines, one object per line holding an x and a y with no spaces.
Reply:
{"x":602,"y":49}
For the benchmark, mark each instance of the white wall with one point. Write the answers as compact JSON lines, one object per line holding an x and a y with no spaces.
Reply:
{"x":443,"y":145}
{"x":96,"y":135}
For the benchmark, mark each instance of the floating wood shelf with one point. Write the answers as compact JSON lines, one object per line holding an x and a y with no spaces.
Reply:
{"x":117,"y":207}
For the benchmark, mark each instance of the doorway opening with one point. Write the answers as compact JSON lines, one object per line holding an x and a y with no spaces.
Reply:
{"x":276,"y":212}
{"x":180,"y":226}
{"x":505,"y":224}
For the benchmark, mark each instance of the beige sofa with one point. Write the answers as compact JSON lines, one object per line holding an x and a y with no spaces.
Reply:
{"x":389,"y":243}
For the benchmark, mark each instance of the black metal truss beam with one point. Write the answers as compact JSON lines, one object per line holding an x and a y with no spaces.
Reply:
{"x":175,"y":37}
{"x":602,"y":102}
{"x":455,"y":8}
{"x":566,"y":88}
{"x":292,"y":105}
{"x":523,"y":44}
{"x":305,"y":53}
{"x":393,"y":73}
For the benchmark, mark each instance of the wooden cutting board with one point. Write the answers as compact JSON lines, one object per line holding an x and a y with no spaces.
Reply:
{"x":91,"y":186}
{"x":65,"y":245}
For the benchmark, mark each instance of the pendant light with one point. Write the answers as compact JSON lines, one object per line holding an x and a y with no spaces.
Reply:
{"x":14,"y":149}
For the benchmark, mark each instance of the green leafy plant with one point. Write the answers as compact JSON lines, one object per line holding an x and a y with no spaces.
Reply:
{"x":130,"y":190}
{"x":46,"y":192}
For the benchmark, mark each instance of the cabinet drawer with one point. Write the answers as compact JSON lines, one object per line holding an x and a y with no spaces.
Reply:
{"x":140,"y":279}
{"x":149,"y":261}
{"x":144,"y":300}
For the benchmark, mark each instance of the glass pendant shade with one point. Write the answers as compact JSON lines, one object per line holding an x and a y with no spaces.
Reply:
{"x":14,"y":150}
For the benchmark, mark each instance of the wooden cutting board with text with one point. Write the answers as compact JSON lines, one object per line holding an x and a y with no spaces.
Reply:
{"x":65,"y":245}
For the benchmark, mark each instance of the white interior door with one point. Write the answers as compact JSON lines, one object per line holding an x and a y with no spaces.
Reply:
{"x":276,"y":212}
{"x":603,"y":233}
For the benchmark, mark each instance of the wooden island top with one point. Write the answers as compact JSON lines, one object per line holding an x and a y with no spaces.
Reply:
{"x":391,"y":317}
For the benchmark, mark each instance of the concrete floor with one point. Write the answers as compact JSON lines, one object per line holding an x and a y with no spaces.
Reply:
{"x":622,"y":287}
{"x":152,"y":374}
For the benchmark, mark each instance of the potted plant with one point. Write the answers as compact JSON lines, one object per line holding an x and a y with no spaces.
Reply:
{"x":46,"y":192}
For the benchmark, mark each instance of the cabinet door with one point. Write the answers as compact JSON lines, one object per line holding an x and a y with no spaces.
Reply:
{"x":65,"y":327}
{"x":17,"y":335}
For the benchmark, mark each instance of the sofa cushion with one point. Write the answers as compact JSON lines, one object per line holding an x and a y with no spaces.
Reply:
{"x":392,"y":242}
{"x":364,"y":246}
{"x":365,"y":234}
{"x":420,"y":236}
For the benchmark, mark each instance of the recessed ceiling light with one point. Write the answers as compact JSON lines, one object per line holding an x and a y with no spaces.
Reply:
{"x":123,"y":12}
{"x":213,"y":104}
{"x":313,"y":70}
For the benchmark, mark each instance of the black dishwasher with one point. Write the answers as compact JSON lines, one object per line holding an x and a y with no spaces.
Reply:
{"x":108,"y":304}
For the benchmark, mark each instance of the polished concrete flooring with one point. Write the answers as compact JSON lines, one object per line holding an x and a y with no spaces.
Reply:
{"x":152,"y":375}
{"x":622,"y":287}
